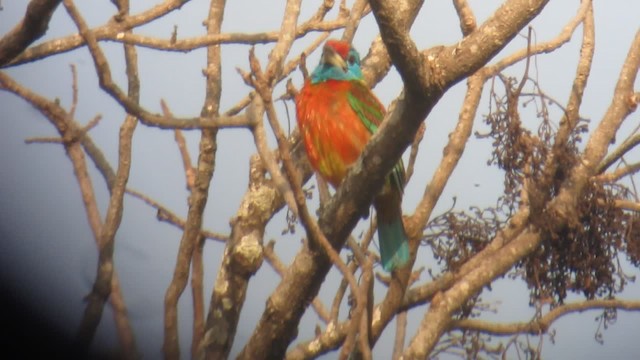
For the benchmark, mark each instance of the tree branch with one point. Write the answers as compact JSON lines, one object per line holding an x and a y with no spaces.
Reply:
{"x":200,"y":192}
{"x":542,"y":324}
{"x":32,"y":27}
{"x":599,"y":141}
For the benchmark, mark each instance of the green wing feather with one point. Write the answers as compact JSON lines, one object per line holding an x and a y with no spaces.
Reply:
{"x":371,"y":113}
{"x":394,"y":248}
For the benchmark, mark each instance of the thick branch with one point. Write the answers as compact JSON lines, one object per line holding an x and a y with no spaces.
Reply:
{"x":442,"y":307}
{"x":602,"y":136}
{"x":31,"y":28}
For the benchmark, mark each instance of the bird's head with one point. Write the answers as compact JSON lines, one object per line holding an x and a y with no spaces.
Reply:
{"x":339,"y":61}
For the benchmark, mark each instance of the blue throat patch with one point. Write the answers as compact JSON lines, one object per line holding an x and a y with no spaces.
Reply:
{"x":324,"y":72}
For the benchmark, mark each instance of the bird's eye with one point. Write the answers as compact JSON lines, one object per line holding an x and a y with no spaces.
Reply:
{"x":351,"y":60}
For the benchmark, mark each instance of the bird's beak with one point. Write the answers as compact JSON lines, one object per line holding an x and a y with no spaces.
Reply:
{"x":331,"y":57}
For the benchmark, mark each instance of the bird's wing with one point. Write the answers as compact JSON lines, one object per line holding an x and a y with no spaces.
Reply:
{"x":371,"y":112}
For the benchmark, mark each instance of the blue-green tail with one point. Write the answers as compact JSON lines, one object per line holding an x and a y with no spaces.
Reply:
{"x":394,"y":246}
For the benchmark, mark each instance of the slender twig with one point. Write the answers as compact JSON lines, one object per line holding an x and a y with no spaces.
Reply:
{"x":619,"y":152}
{"x":118,"y":188}
{"x":366,"y":287}
{"x":267,"y":157}
{"x":74,"y":137}
{"x":189,"y":172}
{"x":166,"y":215}
{"x":413,"y":154}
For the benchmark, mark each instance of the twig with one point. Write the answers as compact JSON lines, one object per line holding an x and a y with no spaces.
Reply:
{"x":70,"y":137}
{"x":366,"y":289}
{"x":619,"y":152}
{"x":415,"y":146}
{"x":260,"y":138}
{"x":74,"y":90}
{"x":168,"y":216}
{"x":189,"y":172}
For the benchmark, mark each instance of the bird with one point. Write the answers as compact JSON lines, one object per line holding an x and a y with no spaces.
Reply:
{"x":337,"y":114}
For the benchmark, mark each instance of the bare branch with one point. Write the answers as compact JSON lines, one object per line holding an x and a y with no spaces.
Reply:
{"x":619,"y":152}
{"x":401,"y":330}
{"x":599,"y":141}
{"x":118,"y":31}
{"x":69,"y":131}
{"x":357,"y":11}
{"x":105,"y":275}
{"x":189,"y":172}
{"x":542,"y":324}
{"x":200,"y":192}
{"x":74,"y":41}
{"x":620,"y":173}
{"x":268,"y":159}
{"x":543,"y":48}
{"x":467,"y":19}
{"x":197,"y":292}
{"x":168,"y":216}
{"x":438,"y":317}
{"x":31,"y":28}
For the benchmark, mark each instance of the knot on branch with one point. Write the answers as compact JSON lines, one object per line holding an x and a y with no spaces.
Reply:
{"x":247,"y":254}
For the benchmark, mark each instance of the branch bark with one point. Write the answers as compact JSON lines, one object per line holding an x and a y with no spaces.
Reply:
{"x":200,"y":192}
{"x":32,"y":27}
{"x":542,"y":324}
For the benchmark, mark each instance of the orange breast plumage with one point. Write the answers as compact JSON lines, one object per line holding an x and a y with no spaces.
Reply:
{"x":333,"y":134}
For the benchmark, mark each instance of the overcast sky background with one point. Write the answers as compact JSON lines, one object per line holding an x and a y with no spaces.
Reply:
{"x":47,"y":253}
